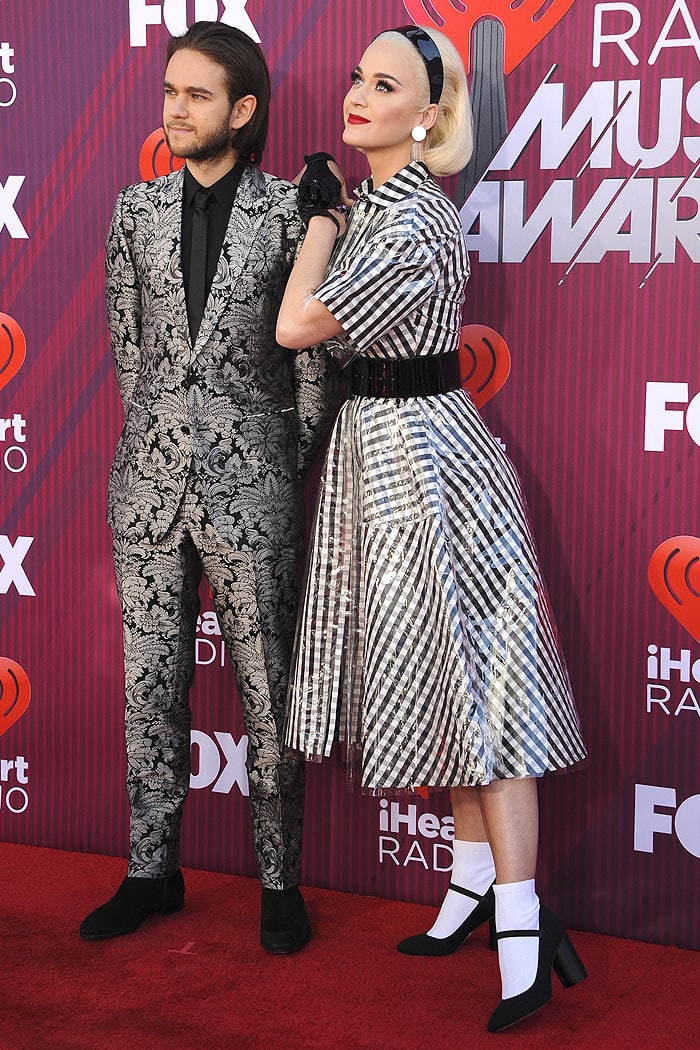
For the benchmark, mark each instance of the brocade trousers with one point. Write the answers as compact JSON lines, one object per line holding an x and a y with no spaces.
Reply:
{"x":255,"y":594}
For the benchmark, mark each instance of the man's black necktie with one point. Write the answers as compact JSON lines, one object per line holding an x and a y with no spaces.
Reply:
{"x":198,"y":262}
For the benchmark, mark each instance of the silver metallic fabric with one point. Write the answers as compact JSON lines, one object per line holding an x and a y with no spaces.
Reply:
{"x":425,"y":642}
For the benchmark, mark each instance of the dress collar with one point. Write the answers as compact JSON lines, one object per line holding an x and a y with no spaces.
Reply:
{"x":397,"y":187}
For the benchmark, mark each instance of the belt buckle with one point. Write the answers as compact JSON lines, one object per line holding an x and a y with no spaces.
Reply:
{"x":359,"y":377}
{"x":385,"y":380}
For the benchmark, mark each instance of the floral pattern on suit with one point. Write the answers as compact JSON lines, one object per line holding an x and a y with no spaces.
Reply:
{"x":206,"y":473}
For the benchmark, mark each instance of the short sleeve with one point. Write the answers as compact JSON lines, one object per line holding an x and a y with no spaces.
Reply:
{"x":374,"y":290}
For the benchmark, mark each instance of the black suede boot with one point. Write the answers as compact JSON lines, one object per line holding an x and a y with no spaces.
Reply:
{"x":284,"y":924}
{"x":133,"y":902}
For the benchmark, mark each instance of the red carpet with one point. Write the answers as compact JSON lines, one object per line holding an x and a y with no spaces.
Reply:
{"x":199,"y":979}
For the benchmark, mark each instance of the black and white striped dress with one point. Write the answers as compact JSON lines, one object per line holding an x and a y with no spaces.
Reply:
{"x":425,"y":641}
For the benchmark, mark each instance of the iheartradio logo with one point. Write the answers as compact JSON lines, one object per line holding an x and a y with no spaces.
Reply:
{"x":674,"y":576}
{"x":13,"y":349}
{"x":484,"y":360}
{"x":156,"y":159}
{"x":493,"y":37}
{"x":15,"y":693}
{"x":525,"y":22}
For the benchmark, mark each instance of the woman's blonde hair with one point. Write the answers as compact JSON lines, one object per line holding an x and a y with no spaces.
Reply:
{"x":449,"y":142}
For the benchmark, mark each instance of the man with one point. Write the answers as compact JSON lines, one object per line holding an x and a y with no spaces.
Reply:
{"x":218,"y":422}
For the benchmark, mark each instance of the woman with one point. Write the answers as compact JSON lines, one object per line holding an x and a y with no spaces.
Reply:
{"x":425,"y":630}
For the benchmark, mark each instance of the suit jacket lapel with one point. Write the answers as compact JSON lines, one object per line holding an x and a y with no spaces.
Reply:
{"x":248,"y":211}
{"x":168,"y":248}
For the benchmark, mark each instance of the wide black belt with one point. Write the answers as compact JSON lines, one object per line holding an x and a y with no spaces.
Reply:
{"x":404,"y":377}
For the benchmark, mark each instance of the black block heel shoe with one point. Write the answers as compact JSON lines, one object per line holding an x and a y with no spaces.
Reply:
{"x":425,"y":944}
{"x":556,"y":952}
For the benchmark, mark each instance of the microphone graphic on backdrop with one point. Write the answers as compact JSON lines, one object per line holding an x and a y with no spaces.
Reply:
{"x":13,"y":349}
{"x":15,"y":693}
{"x":674,"y":576}
{"x":504,"y":33}
{"x":484,"y":360}
{"x":155,"y":157}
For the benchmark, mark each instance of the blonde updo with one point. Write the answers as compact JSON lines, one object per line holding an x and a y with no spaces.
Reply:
{"x":449,"y":144}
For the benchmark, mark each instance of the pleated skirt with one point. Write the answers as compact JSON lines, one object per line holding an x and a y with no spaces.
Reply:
{"x":425,"y":642}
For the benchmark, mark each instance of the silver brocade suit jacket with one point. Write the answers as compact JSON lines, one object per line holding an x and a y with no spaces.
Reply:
{"x":245,"y":413}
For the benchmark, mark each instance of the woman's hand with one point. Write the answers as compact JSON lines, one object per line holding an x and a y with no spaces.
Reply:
{"x":322,"y":191}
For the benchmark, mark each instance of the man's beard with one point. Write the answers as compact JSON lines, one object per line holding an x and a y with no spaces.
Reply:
{"x":216,"y":144}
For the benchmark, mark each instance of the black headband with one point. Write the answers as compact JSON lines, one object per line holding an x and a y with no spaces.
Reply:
{"x":430,"y":53}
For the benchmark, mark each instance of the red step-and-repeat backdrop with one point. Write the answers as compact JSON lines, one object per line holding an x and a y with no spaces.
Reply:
{"x":582,"y":213}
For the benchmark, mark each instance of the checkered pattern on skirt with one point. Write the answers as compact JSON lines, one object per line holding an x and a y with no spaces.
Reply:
{"x":426,"y":635}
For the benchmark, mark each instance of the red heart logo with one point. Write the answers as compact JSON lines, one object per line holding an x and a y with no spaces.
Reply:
{"x":674,"y":575}
{"x":526,"y":22}
{"x":156,"y":159}
{"x":15,"y":692}
{"x":13,"y":349}
{"x":484,"y":360}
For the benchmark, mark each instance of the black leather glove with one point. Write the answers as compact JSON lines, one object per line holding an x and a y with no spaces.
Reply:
{"x":319,"y":188}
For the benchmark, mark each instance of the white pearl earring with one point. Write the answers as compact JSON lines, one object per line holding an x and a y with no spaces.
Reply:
{"x":417,"y":139}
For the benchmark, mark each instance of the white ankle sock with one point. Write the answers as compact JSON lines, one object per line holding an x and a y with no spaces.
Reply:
{"x":517,"y":908}
{"x":472,"y":869}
